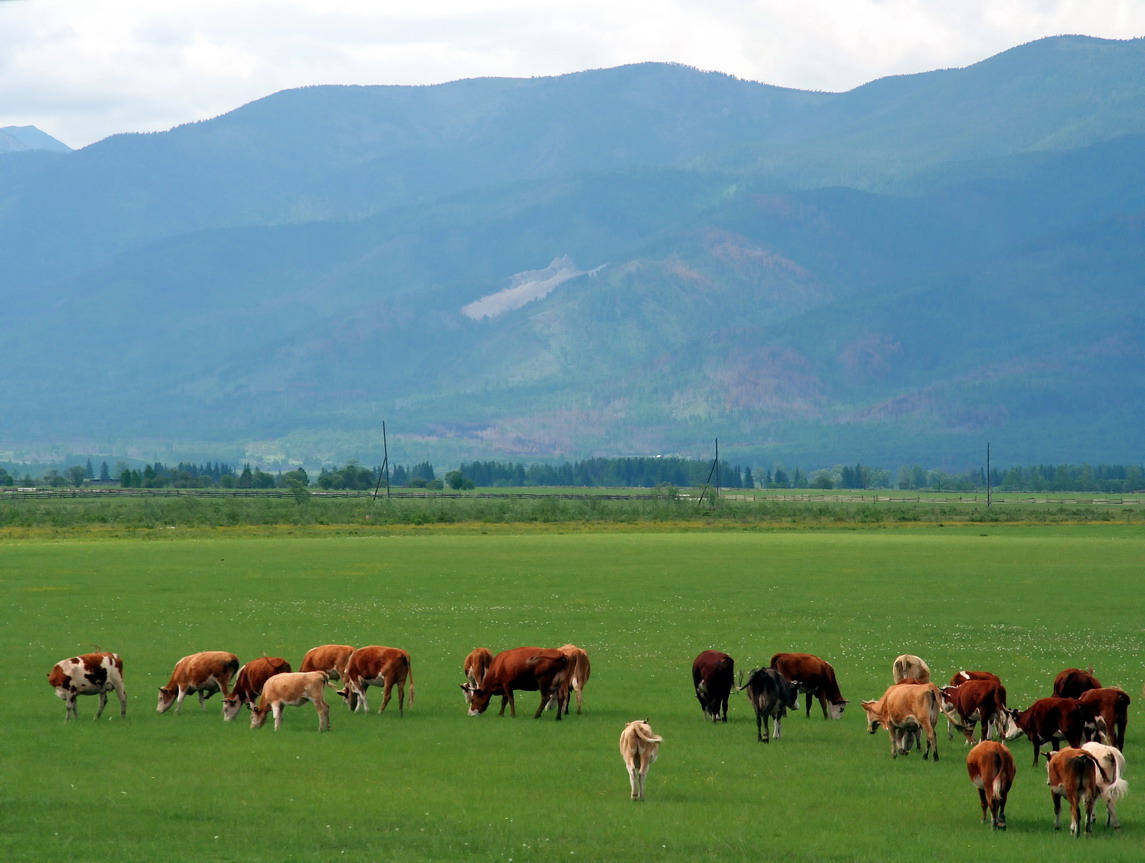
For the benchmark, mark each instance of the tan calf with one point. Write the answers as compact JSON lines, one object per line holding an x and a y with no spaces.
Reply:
{"x":906,"y":710}
{"x":205,"y":673}
{"x":292,"y":689}
{"x":639,"y":747}
{"x":579,"y":670}
{"x":991,"y":768}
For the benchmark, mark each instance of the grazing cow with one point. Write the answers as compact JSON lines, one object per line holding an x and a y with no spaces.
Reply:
{"x":639,"y":747}
{"x":1072,"y":682}
{"x":474,"y":668}
{"x":88,"y":674}
{"x":292,"y":688}
{"x":910,"y":666}
{"x":1111,"y":784}
{"x":1111,"y":703}
{"x":1051,"y":720}
{"x":815,"y":677}
{"x":331,"y":658}
{"x":906,"y":710}
{"x":982,"y":701}
{"x":529,"y":669}
{"x":579,"y":671}
{"x":249,"y":683}
{"x":992,"y":771}
{"x":962,"y":676}
{"x":713,"y":676}
{"x":205,"y":673}
{"x":1074,"y":773}
{"x":377,"y":666}
{"x":770,"y":695}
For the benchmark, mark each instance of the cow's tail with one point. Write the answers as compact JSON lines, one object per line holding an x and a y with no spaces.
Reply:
{"x":644,"y":731}
{"x":409,"y":672}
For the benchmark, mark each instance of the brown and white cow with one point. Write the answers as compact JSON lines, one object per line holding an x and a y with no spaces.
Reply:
{"x":1111,"y":784}
{"x":249,"y":683}
{"x":1072,"y":682}
{"x":377,"y":666}
{"x":1074,"y":773}
{"x":991,"y":768}
{"x":528,"y":669}
{"x":88,"y":674}
{"x":331,"y":658}
{"x":205,"y":673}
{"x":713,"y":676}
{"x":1111,"y":703}
{"x":910,"y":666}
{"x":639,"y":747}
{"x":292,"y":689}
{"x":815,"y":677}
{"x":1051,"y":720}
{"x":906,"y":710}
{"x":474,"y":668}
{"x":977,"y":701}
{"x":579,"y":670}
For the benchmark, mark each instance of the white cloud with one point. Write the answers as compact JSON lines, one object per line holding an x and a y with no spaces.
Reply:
{"x":84,"y":69}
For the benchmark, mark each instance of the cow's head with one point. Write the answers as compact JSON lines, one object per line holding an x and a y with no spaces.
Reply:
{"x":835,"y":708}
{"x":258,"y":715}
{"x":1011,"y":720}
{"x":791,"y":695}
{"x":874,"y":715}
{"x":350,"y":696}
{"x":166,"y":699}
{"x":1098,"y":730}
{"x":477,"y":697}
{"x":231,"y":707}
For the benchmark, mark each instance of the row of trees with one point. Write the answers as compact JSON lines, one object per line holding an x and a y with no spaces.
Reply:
{"x":599,"y":473}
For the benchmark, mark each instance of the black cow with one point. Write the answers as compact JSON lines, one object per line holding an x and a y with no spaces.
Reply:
{"x":713,"y":675}
{"x":770,"y":695}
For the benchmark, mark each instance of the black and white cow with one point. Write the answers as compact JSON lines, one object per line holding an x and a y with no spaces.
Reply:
{"x":89,"y":674}
{"x":771,"y":695}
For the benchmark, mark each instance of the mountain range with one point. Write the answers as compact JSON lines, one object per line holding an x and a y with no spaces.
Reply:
{"x":627,"y":261}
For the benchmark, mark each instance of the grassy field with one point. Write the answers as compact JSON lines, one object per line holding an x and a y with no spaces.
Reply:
{"x":1024,"y":601}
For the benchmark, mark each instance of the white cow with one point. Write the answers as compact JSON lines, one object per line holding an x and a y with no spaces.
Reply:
{"x":89,"y":674}
{"x":1111,"y":784}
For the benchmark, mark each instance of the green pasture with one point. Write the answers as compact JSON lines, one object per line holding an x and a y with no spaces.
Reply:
{"x":1023,"y":601}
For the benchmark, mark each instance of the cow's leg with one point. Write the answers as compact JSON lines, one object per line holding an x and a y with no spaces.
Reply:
{"x":982,"y":802}
{"x":808,"y":697}
{"x":389,"y":690}
{"x":641,"y":775}
{"x":323,"y":714}
{"x":401,"y":698}
{"x":361,"y":703}
{"x":202,"y":700}
{"x":512,"y":703}
{"x":276,"y":709}
{"x":1057,"y":810}
{"x":179,"y":700}
{"x":822,"y":703}
{"x":102,"y":704}
{"x":1037,"y":747}
{"x":122,"y":693}
{"x":1075,"y":815}
{"x":70,"y":709}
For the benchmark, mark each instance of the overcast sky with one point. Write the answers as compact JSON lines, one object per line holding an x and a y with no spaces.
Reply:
{"x":81,"y":70}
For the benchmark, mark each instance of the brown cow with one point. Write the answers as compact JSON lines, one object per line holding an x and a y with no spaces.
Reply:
{"x":1072,"y":682}
{"x":331,"y":658}
{"x":992,"y":771}
{"x":249,"y":683}
{"x":713,"y":676}
{"x":639,"y":747}
{"x":205,"y":673}
{"x":1073,"y":773}
{"x":293,"y":689}
{"x":1111,"y":703}
{"x":981,"y":701}
{"x":1111,"y":784}
{"x":906,"y":710}
{"x":1051,"y":720}
{"x":910,"y":666}
{"x":88,"y":674}
{"x":962,"y":676}
{"x":529,"y":669}
{"x":377,"y":666}
{"x":815,"y":676}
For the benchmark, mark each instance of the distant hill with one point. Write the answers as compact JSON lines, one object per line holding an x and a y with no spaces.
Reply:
{"x":16,"y":138}
{"x":895,"y":274}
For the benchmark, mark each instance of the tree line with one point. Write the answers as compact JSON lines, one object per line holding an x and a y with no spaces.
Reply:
{"x":631,"y":472}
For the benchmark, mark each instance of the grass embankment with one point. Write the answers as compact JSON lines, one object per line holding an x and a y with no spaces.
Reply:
{"x":439,"y":785}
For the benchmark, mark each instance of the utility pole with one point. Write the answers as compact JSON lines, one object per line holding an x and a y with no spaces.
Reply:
{"x":384,"y":470}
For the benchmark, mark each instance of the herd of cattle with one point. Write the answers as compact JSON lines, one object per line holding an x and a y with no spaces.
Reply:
{"x":1088,"y":717}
